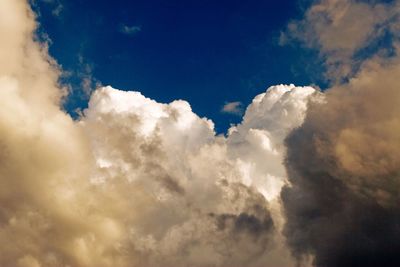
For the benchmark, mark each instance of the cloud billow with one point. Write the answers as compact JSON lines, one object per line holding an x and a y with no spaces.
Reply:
{"x":343,"y":166}
{"x":343,"y":161}
{"x":186,"y":186}
{"x":132,"y":182}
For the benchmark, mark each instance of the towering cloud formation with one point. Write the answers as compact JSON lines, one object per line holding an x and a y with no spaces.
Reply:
{"x":43,"y":154}
{"x":343,"y":163}
{"x":170,"y":187}
{"x":342,"y":206}
{"x":190,"y":192}
{"x":133,"y":182}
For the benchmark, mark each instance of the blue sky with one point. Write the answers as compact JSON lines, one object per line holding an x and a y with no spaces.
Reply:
{"x":206,"y":52}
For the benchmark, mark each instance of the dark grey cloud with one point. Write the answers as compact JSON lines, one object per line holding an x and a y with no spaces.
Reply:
{"x":343,"y":163}
{"x":342,"y":206}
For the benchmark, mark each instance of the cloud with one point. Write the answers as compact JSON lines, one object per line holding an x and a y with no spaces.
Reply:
{"x":58,"y":9}
{"x":57,"y":6}
{"x":342,"y":203}
{"x":44,"y":156}
{"x":343,"y":166}
{"x":133,"y":182}
{"x":85,"y":74}
{"x":213,"y":194}
{"x":258,"y":140}
{"x":130,"y":30}
{"x":345,"y":33}
{"x":233,"y":108}
{"x":80,"y":83}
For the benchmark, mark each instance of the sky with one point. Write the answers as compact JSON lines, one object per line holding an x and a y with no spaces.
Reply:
{"x":111,"y":152}
{"x":206,"y":52}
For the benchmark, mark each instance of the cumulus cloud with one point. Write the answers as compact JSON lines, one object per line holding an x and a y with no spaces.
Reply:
{"x":44,"y":156}
{"x":343,"y":163}
{"x":133,"y":182}
{"x":257,"y":142}
{"x":212,"y":194}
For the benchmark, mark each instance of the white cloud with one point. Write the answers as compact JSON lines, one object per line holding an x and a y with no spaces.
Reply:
{"x":166,"y":165}
{"x":170,"y":159}
{"x":258,"y":140}
{"x":233,"y":108}
{"x":130,"y":30}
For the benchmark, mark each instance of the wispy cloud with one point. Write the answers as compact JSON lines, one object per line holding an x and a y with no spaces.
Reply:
{"x":345,"y":33}
{"x":130,"y":30}
{"x":57,"y":7}
{"x":235,"y":108}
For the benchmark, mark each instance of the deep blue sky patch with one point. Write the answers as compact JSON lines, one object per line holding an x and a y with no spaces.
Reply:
{"x":206,"y":52}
